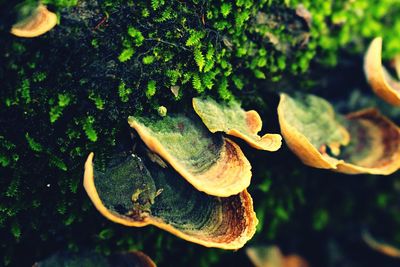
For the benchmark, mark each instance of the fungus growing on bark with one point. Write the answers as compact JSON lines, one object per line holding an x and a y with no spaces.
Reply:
{"x":383,"y":84}
{"x":272,"y":256}
{"x":39,"y":22}
{"x":233,"y":120}
{"x":91,"y":258}
{"x":360,"y":142}
{"x":137,"y":193}
{"x":381,"y":247}
{"x":211,"y":163}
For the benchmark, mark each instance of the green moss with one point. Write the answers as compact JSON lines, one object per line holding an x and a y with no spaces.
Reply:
{"x":335,"y":24}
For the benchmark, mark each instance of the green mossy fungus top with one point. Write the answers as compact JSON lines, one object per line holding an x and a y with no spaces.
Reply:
{"x":211,"y":163}
{"x":126,"y":186}
{"x":137,"y":190}
{"x":233,"y":120}
{"x":71,"y":90}
{"x":185,"y":139}
{"x":315,"y":118}
{"x":220,"y":118}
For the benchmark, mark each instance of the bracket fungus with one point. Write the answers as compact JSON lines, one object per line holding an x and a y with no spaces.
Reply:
{"x":91,"y":258}
{"x":39,"y":22}
{"x":211,"y":163}
{"x":233,"y":120}
{"x":271,"y":256}
{"x":360,"y":142}
{"x":379,"y":246}
{"x":137,"y":193}
{"x":383,"y":84}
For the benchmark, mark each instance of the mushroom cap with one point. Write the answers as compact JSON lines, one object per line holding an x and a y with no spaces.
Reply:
{"x":233,"y":120}
{"x":211,"y":163}
{"x":91,"y":258}
{"x":138,"y":192}
{"x":38,"y":23}
{"x":309,"y":125}
{"x":379,"y":246}
{"x":361,"y":142}
{"x":383,"y":84}
{"x":271,"y":256}
{"x":375,"y":144}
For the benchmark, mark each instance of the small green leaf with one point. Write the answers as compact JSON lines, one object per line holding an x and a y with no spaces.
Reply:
{"x":259,"y":74}
{"x":196,"y":82}
{"x":136,"y":35}
{"x":57,"y":162}
{"x":89,"y":130}
{"x":199,"y":58}
{"x":64,"y":100}
{"x":194,"y":38}
{"x":151,"y":89}
{"x":156,"y":4}
{"x":35,"y":146}
{"x":226,"y":9}
{"x":148,"y":60}
{"x":126,"y":54}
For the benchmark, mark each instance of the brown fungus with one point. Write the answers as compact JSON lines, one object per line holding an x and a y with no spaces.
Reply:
{"x":271,"y":256}
{"x":383,"y":84}
{"x":211,"y":163}
{"x":136,"y":192}
{"x":233,"y":120}
{"x":39,"y":22}
{"x":360,"y":142}
{"x":381,"y":247}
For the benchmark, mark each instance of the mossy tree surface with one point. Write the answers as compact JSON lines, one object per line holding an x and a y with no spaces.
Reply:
{"x":71,"y":91}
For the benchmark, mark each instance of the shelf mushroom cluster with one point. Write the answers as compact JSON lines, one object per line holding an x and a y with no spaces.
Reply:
{"x":360,"y":142}
{"x":199,"y":192}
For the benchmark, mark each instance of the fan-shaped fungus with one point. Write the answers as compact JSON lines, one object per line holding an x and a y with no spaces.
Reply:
{"x":233,"y":120}
{"x":38,"y":23}
{"x":383,"y":84}
{"x":272,"y":256}
{"x":138,"y":193}
{"x":211,"y":163}
{"x":381,"y":247}
{"x":309,"y":126}
{"x":370,"y":142}
{"x":91,"y":258}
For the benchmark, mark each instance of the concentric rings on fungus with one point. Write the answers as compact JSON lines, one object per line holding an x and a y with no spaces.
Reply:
{"x":360,"y":142}
{"x":91,"y":258}
{"x":211,"y":163}
{"x":136,"y":192}
{"x":233,"y":120}
{"x":383,"y":84}
{"x":38,"y":23}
